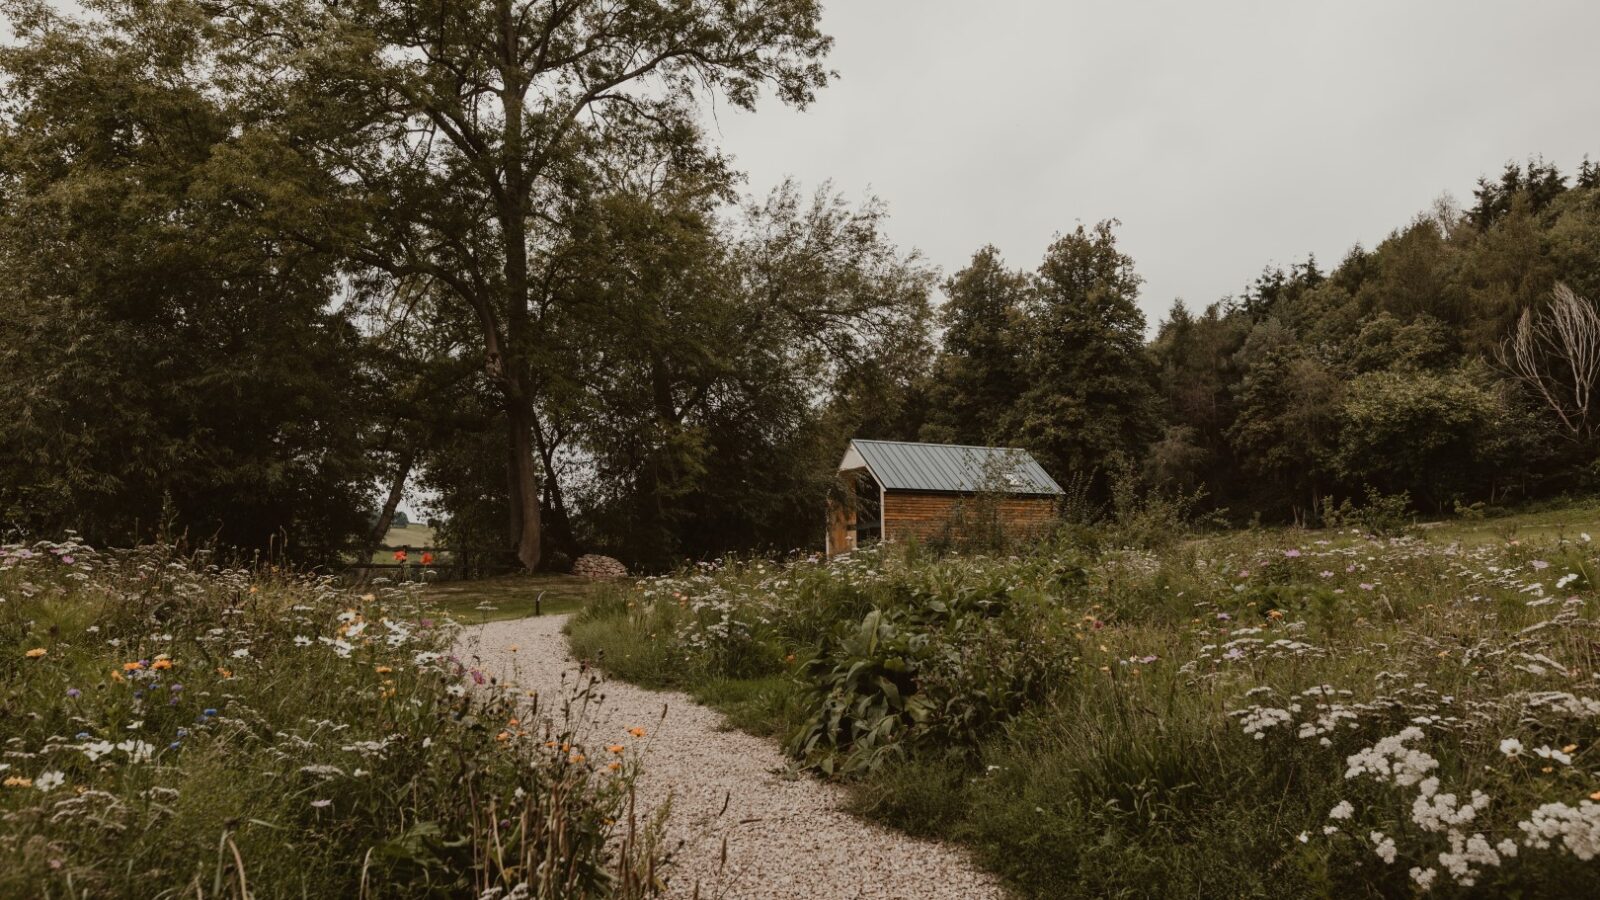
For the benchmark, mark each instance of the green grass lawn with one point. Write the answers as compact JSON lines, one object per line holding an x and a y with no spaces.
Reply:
{"x":1542,"y":525}
{"x":512,"y":596}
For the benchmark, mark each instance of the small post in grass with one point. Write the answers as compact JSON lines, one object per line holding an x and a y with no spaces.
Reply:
{"x":537,"y":602}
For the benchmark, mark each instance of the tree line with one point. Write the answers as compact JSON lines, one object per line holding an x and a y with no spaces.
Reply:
{"x":270,"y":264}
{"x":1451,"y":363}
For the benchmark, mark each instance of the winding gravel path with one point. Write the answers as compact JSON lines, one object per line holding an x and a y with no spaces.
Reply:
{"x":786,"y":837}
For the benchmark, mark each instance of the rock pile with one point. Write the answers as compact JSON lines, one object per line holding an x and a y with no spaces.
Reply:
{"x":593,"y":565}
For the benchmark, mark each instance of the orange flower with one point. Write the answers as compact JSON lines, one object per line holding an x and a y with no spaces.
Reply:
{"x":1595,"y":796}
{"x":161,"y":664}
{"x":132,"y":666}
{"x":399,"y":556}
{"x":117,"y":676}
{"x":19,"y":781}
{"x":616,"y":748}
{"x":224,"y":672}
{"x":503,"y":736}
{"x":614,"y":766}
{"x":427,"y":559}
{"x":36,"y":652}
{"x":637,"y":732}
{"x":575,"y":758}
{"x":1275,"y":614}
{"x":383,"y":670}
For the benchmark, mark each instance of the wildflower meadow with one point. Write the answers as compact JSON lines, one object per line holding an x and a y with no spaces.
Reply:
{"x":177,"y":728}
{"x":1263,"y":713}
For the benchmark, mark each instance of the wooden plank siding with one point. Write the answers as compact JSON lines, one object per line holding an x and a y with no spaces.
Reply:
{"x":926,"y":516}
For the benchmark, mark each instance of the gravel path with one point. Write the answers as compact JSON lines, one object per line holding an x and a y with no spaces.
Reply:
{"x":786,"y":837}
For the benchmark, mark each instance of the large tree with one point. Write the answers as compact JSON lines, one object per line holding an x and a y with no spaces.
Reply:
{"x":458,"y":139}
{"x":1091,"y":398}
{"x":165,"y":359}
{"x":982,"y":369}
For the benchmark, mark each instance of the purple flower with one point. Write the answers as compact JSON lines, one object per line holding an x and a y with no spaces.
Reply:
{"x":1224,"y":617}
{"x":74,"y":693}
{"x":1365,"y":586}
{"x":68,"y":560}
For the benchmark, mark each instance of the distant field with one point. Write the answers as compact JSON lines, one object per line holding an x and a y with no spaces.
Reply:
{"x":414,"y":536}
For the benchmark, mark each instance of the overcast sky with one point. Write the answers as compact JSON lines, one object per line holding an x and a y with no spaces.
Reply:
{"x":1225,"y":134}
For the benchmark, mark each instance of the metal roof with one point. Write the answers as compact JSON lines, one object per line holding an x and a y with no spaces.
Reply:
{"x":955,"y":468}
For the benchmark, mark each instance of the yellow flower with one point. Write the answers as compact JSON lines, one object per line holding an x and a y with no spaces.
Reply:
{"x":1569,"y":748}
{"x":19,"y":781}
{"x":36,"y":652}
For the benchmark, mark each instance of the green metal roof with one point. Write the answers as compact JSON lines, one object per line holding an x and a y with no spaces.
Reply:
{"x":951,"y":468}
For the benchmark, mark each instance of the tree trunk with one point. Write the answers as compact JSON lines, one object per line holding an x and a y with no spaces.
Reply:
{"x":555,"y":502}
{"x":397,"y":490}
{"x":524,"y":482}
{"x":513,"y":217}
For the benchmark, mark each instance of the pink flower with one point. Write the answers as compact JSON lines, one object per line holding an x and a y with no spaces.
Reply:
{"x":1291,"y":553}
{"x":1365,"y":586}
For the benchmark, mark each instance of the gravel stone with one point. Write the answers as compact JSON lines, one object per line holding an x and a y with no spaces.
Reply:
{"x":787,"y":836}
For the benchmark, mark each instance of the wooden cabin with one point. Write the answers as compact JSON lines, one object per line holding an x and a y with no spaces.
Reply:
{"x":894,"y":490}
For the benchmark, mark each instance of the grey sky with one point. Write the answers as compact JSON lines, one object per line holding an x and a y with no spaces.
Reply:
{"x":1224,"y":134}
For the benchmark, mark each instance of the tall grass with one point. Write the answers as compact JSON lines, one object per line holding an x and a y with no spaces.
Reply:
{"x":1255,"y":714}
{"x":173,"y":729}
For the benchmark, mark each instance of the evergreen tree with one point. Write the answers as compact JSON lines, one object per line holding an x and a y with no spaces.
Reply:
{"x":1091,"y":400}
{"x":981,"y":372}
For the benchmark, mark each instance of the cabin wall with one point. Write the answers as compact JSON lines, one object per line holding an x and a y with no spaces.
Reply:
{"x":908,"y":514}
